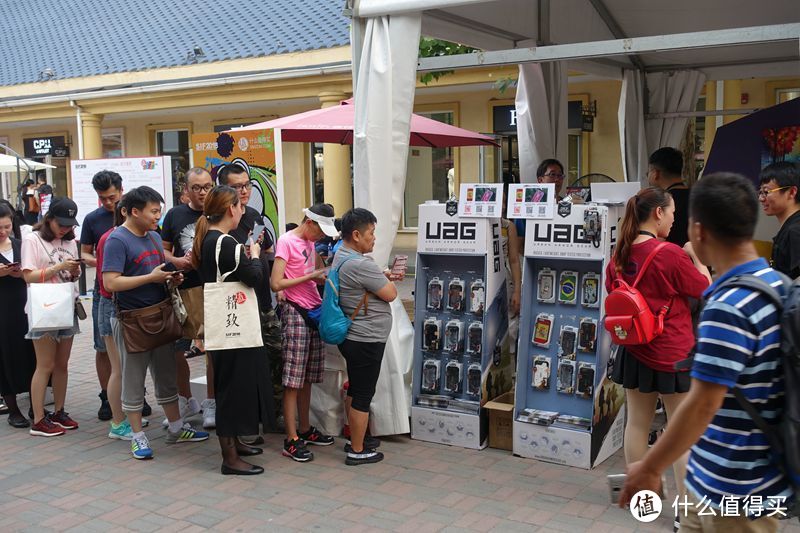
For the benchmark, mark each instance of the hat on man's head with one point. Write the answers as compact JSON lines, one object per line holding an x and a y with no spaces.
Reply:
{"x":64,"y":211}
{"x":323,"y":215}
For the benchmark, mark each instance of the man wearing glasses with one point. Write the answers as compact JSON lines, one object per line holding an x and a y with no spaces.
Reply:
{"x":178,"y":236}
{"x":778,"y":194}
{"x":548,"y":171}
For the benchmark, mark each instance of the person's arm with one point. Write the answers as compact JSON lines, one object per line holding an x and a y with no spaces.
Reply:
{"x":698,"y":265}
{"x":249,"y":270}
{"x":116,"y":282}
{"x":513,"y":263}
{"x":87,"y":254}
{"x":388,"y":293}
{"x":181,"y":263}
{"x":278,"y":282}
{"x":693,"y":416}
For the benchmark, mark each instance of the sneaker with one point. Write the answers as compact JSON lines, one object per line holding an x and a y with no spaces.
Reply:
{"x":46,"y":428}
{"x":296,"y":449}
{"x":315,"y":437}
{"x":104,"y":413}
{"x":140,"y":447}
{"x":146,"y":409}
{"x":61,"y":418}
{"x":363,"y":458}
{"x":186,"y":434}
{"x":186,"y":408}
{"x":209,"y":413}
{"x":121,"y":432}
{"x":369,"y":442}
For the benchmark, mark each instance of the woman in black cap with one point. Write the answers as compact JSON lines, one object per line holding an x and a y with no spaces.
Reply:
{"x":50,"y":255}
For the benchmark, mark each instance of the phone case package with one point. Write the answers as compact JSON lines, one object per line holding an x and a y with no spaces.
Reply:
{"x":587,"y":335}
{"x":435,"y":294}
{"x":568,"y":287}
{"x":477,"y":297}
{"x":567,"y":342}
{"x":542,"y":330}
{"x":432,"y":334}
{"x":590,"y":290}
{"x":541,"y":372}
{"x":452,"y":376}
{"x":430,"y":375}
{"x":455,"y":295}
{"x":546,"y":286}
{"x":585,"y":385}
{"x":565,"y":379}
{"x":475,"y":338}
{"x":474,"y":379}
{"x":454,"y":336}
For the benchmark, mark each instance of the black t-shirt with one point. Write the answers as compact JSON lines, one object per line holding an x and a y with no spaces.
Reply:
{"x":679,"y":233}
{"x":95,"y":224}
{"x":250,"y":218}
{"x":250,"y":271}
{"x":786,"y":247}
{"x":178,"y":229}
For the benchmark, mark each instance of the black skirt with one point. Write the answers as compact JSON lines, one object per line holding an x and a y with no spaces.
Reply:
{"x":17,"y":358}
{"x":631,"y":373}
{"x":243,"y":392}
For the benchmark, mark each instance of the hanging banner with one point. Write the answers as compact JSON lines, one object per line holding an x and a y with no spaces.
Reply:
{"x":251,"y":149}
{"x":481,"y":200}
{"x":531,"y":200}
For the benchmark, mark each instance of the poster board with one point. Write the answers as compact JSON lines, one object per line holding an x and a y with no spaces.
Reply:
{"x":480,"y":200}
{"x":531,"y":200}
{"x":253,"y":150}
{"x":153,"y":171}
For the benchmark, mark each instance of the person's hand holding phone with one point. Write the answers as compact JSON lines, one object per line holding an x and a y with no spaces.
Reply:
{"x":8,"y":269}
{"x":319,"y":275}
{"x":159,"y":275}
{"x":255,"y":250}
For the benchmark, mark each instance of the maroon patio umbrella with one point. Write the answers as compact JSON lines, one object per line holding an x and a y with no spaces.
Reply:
{"x":335,"y":125}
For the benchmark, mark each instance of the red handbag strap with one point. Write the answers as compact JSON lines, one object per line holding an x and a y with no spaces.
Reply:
{"x":647,"y":261}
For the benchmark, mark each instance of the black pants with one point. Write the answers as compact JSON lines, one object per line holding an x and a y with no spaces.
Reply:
{"x":363,"y":367}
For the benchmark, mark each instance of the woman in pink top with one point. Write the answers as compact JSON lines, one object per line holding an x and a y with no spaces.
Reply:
{"x":50,"y":255}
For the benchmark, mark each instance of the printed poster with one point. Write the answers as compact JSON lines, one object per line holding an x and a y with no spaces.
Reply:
{"x":481,"y":200}
{"x":531,"y":200}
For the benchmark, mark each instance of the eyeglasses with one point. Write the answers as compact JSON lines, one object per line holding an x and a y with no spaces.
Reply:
{"x":556,"y":175}
{"x":242,"y":187}
{"x":763,"y":193}
{"x":198,"y":188}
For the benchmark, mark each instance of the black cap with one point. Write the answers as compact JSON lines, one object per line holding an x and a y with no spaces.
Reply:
{"x":64,"y":211}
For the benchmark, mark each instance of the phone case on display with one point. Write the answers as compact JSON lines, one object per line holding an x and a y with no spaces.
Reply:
{"x":542,"y":329}
{"x":435,"y":294}
{"x":475,"y":338}
{"x":454,"y":336}
{"x":540,"y":378}
{"x":585,"y":386}
{"x":432,"y":335}
{"x":477,"y":297}
{"x":455,"y":295}
{"x":567,"y":341}
{"x":399,"y":265}
{"x":568,"y":287}
{"x":587,"y":335}
{"x":430,"y":375}
{"x":474,"y":379}
{"x":565,"y":379}
{"x":590,"y":290}
{"x":452,"y":376}
{"x":546,"y":286}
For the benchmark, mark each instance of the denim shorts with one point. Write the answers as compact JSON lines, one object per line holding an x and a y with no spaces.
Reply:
{"x":97,"y":336}
{"x":105,"y":310}
{"x":57,"y":334}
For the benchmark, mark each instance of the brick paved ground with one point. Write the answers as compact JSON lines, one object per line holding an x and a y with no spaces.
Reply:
{"x":86,"y":482}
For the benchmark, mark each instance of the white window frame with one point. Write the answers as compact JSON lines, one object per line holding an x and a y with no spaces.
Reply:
{"x":116,"y":131}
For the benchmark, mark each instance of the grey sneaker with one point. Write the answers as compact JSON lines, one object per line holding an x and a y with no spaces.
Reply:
{"x":186,"y":434}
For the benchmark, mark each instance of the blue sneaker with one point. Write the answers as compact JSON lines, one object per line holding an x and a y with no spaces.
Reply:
{"x":140,"y":447}
{"x":122,"y":431}
{"x":186,"y":434}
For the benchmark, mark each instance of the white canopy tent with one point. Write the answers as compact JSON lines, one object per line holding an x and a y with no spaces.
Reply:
{"x":663,"y":52}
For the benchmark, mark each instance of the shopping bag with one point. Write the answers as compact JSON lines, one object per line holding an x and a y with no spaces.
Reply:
{"x":230,"y":310}
{"x":51,"y":306}
{"x":193,"y":301}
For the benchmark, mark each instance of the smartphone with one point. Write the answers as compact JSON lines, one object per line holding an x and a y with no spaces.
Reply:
{"x":615,"y":484}
{"x":474,"y":379}
{"x":12,"y":265}
{"x":176,"y":272}
{"x":541,"y":330}
{"x":399,"y":265}
{"x":567,"y":340}
{"x":587,"y":335}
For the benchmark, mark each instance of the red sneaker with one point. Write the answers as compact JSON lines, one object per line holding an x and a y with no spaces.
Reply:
{"x":62,"y":419}
{"x":46,"y":428}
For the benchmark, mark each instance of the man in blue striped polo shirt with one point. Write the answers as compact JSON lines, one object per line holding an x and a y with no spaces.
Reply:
{"x":732,"y":480}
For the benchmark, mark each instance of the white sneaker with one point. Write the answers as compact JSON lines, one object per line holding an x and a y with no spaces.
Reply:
{"x":209,"y":413}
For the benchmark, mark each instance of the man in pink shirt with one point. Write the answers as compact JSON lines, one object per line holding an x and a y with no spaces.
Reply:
{"x":297,"y":272}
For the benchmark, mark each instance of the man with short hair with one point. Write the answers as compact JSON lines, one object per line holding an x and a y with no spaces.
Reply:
{"x":177,"y":231}
{"x":108,"y":186}
{"x":548,"y":171}
{"x":779,"y":196}
{"x":363,"y":286}
{"x":738,"y":346}
{"x":44,"y":193}
{"x":665,"y":168}
{"x":133,"y":269}
{"x":297,"y":272}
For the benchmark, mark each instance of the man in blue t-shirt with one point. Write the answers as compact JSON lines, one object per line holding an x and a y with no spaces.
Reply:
{"x":134,"y":269}
{"x":732,"y":480}
{"x":108,"y":186}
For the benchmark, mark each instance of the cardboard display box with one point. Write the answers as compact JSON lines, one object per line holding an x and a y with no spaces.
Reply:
{"x":501,"y":414}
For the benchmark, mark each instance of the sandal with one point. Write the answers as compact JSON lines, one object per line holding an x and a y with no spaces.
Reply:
{"x":194,"y":351}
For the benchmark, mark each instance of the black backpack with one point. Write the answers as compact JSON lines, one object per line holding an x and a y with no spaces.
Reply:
{"x":784,"y":438}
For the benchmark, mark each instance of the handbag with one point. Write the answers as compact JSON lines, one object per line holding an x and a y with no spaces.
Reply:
{"x":51,"y":306}
{"x":178,"y":306}
{"x":193,"y":303}
{"x":149,"y":327}
{"x":271,"y":330}
{"x":230,"y":310}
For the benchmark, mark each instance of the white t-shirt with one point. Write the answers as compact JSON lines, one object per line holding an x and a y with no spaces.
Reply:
{"x":37,"y":254}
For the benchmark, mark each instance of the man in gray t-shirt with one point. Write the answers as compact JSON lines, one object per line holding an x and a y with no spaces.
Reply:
{"x":362,"y":283}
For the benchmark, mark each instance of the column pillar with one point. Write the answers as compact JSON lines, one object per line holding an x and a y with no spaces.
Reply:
{"x":336,"y":160}
{"x":92,"y":135}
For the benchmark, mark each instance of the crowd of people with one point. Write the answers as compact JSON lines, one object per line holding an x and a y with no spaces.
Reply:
{"x":668,"y":238}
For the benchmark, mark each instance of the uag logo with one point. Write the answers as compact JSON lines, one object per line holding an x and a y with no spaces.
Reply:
{"x":464,"y":231}
{"x":560,"y":233}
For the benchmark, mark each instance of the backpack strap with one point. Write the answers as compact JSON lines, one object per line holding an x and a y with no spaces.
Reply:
{"x":364,"y":302}
{"x":647,"y":262}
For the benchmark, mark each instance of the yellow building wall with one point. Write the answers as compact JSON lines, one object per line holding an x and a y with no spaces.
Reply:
{"x":605,"y":156}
